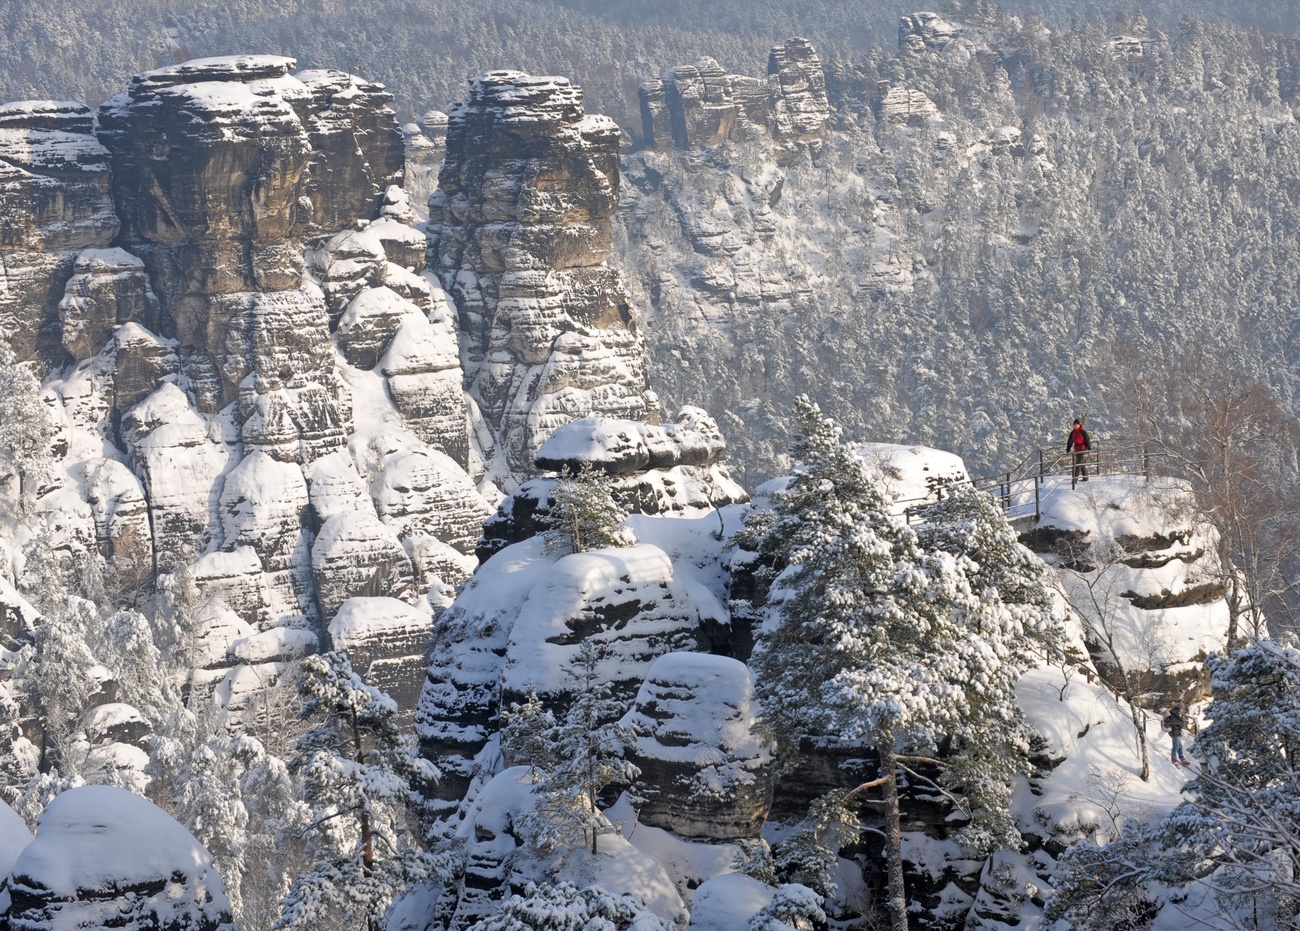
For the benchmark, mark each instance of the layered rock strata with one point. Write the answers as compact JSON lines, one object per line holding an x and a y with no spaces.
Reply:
{"x":673,"y":468}
{"x":701,"y":105}
{"x":223,"y":340}
{"x":520,"y":230}
{"x":705,"y":771}
{"x":55,"y":200}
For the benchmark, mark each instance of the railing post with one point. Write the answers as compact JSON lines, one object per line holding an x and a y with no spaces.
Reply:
{"x":1041,"y":468}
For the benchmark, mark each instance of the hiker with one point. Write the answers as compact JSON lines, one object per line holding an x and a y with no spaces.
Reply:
{"x":1078,"y":443}
{"x":1174,"y":723}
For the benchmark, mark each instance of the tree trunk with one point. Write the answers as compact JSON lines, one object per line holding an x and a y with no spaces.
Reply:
{"x":367,"y":840}
{"x":895,"y":893}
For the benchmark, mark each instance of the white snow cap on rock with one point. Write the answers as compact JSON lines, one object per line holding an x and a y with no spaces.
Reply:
{"x":101,"y":839}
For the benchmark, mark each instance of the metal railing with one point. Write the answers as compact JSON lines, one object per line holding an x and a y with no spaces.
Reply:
{"x":1020,"y":489}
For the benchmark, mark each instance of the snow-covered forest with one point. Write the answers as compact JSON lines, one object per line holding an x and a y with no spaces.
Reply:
{"x":641,"y":499}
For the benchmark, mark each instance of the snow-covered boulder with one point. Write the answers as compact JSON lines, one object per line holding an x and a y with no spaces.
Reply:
{"x":629,"y":601}
{"x":103,"y":858}
{"x":357,"y":555}
{"x":728,"y":902}
{"x":387,"y":641}
{"x":108,"y":287}
{"x":705,"y":769}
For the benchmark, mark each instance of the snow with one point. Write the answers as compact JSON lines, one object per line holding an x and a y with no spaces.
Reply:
{"x":728,"y":902}
{"x":541,"y":647}
{"x":278,"y":643}
{"x":79,"y":845}
{"x":710,"y":704}
{"x":689,"y":863}
{"x":908,"y":472}
{"x":362,"y":618}
{"x":14,"y":836}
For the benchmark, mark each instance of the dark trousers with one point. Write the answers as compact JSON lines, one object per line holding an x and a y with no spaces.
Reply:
{"x":1080,"y":470}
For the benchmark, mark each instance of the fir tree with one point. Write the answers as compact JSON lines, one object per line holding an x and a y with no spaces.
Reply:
{"x":586,"y":753}
{"x":793,"y":908}
{"x":582,"y":513}
{"x":359,"y":780}
{"x":565,"y":907}
{"x":26,"y":432}
{"x":872,"y":641}
{"x":1241,"y":834}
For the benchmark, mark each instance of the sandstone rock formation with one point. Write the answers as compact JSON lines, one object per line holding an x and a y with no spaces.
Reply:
{"x":233,"y":272}
{"x":705,"y":772}
{"x":55,"y":200}
{"x":520,"y":229}
{"x":701,"y":105}
{"x":673,"y":468}
{"x":73,"y":874}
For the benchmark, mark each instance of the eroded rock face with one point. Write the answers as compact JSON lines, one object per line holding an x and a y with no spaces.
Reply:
{"x":704,"y":771}
{"x":919,"y":32}
{"x":55,"y":200}
{"x":357,"y":146}
{"x":387,"y":641}
{"x":520,"y":230}
{"x":701,"y":105}
{"x":672,"y":468}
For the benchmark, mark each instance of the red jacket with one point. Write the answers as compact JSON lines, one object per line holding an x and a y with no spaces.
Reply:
{"x":1078,"y":440}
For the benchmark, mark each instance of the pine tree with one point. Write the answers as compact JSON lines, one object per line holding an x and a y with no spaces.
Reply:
{"x":586,"y":750}
{"x":1241,"y":834}
{"x":360,"y":781}
{"x":26,"y":432}
{"x":582,"y":513}
{"x":565,"y":907}
{"x":793,"y":908}
{"x":873,"y":641}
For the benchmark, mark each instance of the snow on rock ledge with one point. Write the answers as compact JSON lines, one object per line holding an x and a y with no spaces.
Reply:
{"x":103,"y":857}
{"x":705,"y":772}
{"x":387,"y":641}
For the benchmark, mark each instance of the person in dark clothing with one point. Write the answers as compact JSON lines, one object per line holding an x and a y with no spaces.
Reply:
{"x":1078,"y":443}
{"x":1174,"y":724}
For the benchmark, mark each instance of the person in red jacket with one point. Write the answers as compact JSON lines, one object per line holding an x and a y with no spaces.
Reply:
{"x":1078,"y":444}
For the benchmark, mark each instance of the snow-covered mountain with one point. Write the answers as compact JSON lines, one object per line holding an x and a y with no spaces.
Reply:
{"x":256,"y":411}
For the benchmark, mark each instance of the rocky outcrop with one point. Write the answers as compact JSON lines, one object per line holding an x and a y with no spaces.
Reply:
{"x":426,"y":143}
{"x":705,"y":772}
{"x":55,"y":200}
{"x":357,"y":148}
{"x":801,"y":111}
{"x":355,"y":554}
{"x":520,"y":230}
{"x":701,"y":105}
{"x":73,"y":873}
{"x":387,"y":641}
{"x":673,"y":468}
{"x":108,"y":288}
{"x":920,"y":32}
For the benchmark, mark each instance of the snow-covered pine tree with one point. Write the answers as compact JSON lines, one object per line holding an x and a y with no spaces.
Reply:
{"x":872,"y":641}
{"x":793,"y":908}
{"x":586,"y":748}
{"x":582,"y":513}
{"x":359,"y":779}
{"x":26,"y":432}
{"x":1241,"y":833}
{"x":565,"y":907}
{"x":810,"y":855}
